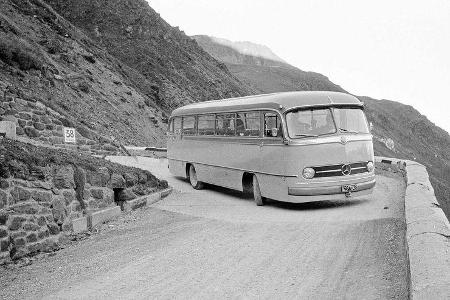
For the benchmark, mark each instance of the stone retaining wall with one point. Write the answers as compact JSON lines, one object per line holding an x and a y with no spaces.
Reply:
{"x":427,"y":234}
{"x":36,"y":121}
{"x":36,"y":214}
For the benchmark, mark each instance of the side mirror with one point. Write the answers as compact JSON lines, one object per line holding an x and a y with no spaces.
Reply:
{"x":371,"y":126}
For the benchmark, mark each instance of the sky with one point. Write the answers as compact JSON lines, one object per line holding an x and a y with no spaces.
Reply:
{"x":395,"y":50}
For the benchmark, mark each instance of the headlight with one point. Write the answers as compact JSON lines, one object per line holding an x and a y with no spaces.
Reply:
{"x":370,"y":166}
{"x":308,"y":173}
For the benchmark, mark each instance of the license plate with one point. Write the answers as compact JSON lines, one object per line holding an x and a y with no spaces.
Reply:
{"x":348,"y":188}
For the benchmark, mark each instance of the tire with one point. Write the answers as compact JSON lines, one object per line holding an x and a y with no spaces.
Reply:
{"x":198,"y":185}
{"x":259,"y":200}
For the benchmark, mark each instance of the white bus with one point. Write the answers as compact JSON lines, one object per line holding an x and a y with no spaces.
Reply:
{"x":292,"y":147}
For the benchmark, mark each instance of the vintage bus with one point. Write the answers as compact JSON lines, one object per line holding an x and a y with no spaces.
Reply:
{"x":292,"y":147}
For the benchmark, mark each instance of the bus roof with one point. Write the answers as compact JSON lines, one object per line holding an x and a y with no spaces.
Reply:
{"x":278,"y":101}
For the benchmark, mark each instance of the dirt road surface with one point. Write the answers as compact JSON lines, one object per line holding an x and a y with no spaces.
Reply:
{"x":215,"y":244}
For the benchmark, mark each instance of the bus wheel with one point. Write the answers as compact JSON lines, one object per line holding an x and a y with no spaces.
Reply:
{"x":259,"y":200}
{"x":198,"y":185}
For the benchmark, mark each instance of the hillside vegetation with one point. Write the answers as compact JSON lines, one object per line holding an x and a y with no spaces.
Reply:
{"x":399,"y":130}
{"x":116,"y":76}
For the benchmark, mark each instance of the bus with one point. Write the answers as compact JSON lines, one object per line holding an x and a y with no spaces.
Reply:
{"x":291,"y":146}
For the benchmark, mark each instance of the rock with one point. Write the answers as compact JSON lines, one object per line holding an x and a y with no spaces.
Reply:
{"x":53,"y":228}
{"x":19,"y":131}
{"x":43,"y":233}
{"x":24,"y":116}
{"x":143,"y":178}
{"x":32,"y":237}
{"x":59,"y":209}
{"x":42,"y":221}
{"x":130,"y":179}
{"x":4,"y":244}
{"x":31,"y":132}
{"x":22,"y":123}
{"x":30,"y":227}
{"x":20,"y":194}
{"x":69,"y":196}
{"x":42,"y":196}
{"x":67,"y":226}
{"x":29,"y":208}
{"x":19,"y":242}
{"x":41,"y":185}
{"x":49,"y":245}
{"x":63,"y":178}
{"x":97,"y":193}
{"x":99,"y":178}
{"x":33,"y":248}
{"x":3,"y":231}
{"x":3,"y":217}
{"x":39,"y":126}
{"x":117,"y":181}
{"x":3,"y":199}
{"x":16,"y":222}
{"x":126,"y":195}
{"x":46,"y":120}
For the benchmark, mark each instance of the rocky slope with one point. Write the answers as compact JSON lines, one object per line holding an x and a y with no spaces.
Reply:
{"x":175,"y":66}
{"x":399,"y":130}
{"x":116,"y":77}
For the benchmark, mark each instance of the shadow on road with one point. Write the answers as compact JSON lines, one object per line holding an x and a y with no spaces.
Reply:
{"x":318,"y":205}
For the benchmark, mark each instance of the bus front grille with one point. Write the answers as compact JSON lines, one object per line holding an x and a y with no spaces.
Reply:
{"x":338,"y":170}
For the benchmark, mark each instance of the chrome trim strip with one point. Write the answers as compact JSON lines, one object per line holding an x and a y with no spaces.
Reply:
{"x":329,"y":171}
{"x":238,"y":169}
{"x":350,"y":178}
{"x":328,"y":190}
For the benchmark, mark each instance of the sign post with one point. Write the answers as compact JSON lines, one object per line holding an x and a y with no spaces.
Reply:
{"x":69,"y":135}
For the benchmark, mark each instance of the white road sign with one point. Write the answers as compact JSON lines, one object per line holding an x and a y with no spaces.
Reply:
{"x":69,"y":135}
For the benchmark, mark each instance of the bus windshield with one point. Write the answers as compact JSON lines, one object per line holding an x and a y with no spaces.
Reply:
{"x":310,"y":123}
{"x":351,"y":120}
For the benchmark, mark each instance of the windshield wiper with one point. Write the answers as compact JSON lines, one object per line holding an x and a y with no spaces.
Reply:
{"x":346,"y":130}
{"x":306,"y":135}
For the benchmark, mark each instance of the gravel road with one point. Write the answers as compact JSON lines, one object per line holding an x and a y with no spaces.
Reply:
{"x":214,"y":244}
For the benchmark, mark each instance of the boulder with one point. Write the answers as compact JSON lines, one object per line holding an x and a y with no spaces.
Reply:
{"x":63,"y":178}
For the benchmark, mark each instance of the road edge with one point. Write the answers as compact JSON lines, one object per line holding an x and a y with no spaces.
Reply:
{"x":427,"y":234}
{"x":90,"y":221}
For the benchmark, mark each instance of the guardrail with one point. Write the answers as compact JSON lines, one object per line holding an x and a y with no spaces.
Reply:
{"x":427,"y":234}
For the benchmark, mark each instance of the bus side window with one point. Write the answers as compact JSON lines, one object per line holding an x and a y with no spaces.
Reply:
{"x":248,"y":124}
{"x":225,"y":124}
{"x":189,"y":125}
{"x":206,"y":124}
{"x":272,"y":125}
{"x":177,"y":125}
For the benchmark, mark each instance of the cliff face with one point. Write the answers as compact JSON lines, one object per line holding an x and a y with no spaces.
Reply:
{"x":176,"y":67}
{"x":399,"y":130}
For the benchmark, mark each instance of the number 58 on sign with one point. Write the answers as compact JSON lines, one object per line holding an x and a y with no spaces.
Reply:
{"x":69,"y":135}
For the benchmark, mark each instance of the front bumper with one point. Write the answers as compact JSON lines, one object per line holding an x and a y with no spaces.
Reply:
{"x":329,"y":190}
